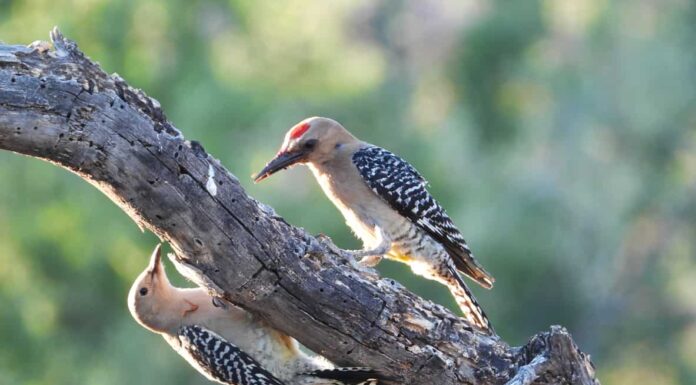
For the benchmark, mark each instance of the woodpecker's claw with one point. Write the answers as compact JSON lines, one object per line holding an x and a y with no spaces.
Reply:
{"x":220,"y":303}
{"x":362,"y":260}
{"x":364,"y":268}
{"x":370,"y":260}
{"x":328,"y":243}
{"x":40,"y":46}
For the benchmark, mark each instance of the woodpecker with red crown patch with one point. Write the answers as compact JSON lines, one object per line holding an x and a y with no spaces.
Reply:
{"x":386,"y":203}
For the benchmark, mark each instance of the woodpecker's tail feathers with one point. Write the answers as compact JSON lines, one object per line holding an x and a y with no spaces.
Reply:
{"x":468,"y":304}
{"x":467,"y":264}
{"x":349,"y":376}
{"x":222,"y":361}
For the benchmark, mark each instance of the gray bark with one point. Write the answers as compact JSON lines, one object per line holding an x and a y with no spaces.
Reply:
{"x":58,"y":105}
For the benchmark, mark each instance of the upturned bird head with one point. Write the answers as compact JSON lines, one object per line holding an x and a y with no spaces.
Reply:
{"x":312,"y":140}
{"x":153,"y":301}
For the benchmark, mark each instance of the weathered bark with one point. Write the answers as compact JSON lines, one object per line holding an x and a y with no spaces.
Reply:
{"x":59,"y":106}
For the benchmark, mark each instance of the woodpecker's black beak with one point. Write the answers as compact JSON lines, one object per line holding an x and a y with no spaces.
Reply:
{"x":155,"y":260}
{"x":283,"y":160}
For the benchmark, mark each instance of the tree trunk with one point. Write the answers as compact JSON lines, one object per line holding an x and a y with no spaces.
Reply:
{"x":58,"y":105}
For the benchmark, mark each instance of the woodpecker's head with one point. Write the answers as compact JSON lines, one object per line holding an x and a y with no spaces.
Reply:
{"x":152,"y":300}
{"x":313,"y":140}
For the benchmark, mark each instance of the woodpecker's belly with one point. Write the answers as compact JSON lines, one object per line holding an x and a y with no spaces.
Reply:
{"x":276,"y":352}
{"x":363,"y":210}
{"x":410,"y":244}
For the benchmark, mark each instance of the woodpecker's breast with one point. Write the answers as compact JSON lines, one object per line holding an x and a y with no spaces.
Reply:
{"x":360,"y":206}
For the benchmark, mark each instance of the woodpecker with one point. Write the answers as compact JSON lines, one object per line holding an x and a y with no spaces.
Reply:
{"x":385,"y":202}
{"x":225,"y":343}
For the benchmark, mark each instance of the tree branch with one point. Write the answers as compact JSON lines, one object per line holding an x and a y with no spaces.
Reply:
{"x":60,"y":106}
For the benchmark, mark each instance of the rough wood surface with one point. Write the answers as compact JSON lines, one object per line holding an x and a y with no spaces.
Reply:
{"x":57,"y":105}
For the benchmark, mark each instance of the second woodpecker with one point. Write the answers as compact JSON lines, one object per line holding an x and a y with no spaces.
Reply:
{"x":225,"y":343}
{"x":385,"y":202}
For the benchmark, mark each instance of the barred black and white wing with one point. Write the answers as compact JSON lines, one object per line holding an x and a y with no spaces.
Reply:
{"x":347,"y":376}
{"x":404,"y":189}
{"x":222,"y":361}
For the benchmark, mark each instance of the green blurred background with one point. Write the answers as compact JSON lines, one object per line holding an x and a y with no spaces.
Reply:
{"x":560,"y":136}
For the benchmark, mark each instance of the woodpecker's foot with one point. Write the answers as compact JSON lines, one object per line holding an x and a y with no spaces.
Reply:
{"x":353,"y":256}
{"x":40,"y":46}
{"x":370,"y":260}
{"x":363,"y":268}
{"x":323,"y":237}
{"x":219,"y":303}
{"x":326,"y":241}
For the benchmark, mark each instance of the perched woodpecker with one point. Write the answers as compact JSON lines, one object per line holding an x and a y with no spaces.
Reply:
{"x":225,"y":343}
{"x":385,"y":202}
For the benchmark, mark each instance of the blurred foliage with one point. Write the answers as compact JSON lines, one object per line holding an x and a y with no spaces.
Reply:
{"x":560,"y":136}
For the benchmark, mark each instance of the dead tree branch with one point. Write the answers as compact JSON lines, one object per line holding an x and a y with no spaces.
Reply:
{"x":58,"y":105}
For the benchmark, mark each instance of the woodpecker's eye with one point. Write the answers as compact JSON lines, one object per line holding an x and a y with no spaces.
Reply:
{"x":338,"y":145}
{"x":310,"y":144}
{"x":143,"y":291}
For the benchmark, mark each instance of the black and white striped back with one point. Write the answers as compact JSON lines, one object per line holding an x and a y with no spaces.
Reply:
{"x":221,"y":360}
{"x":405,"y":190}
